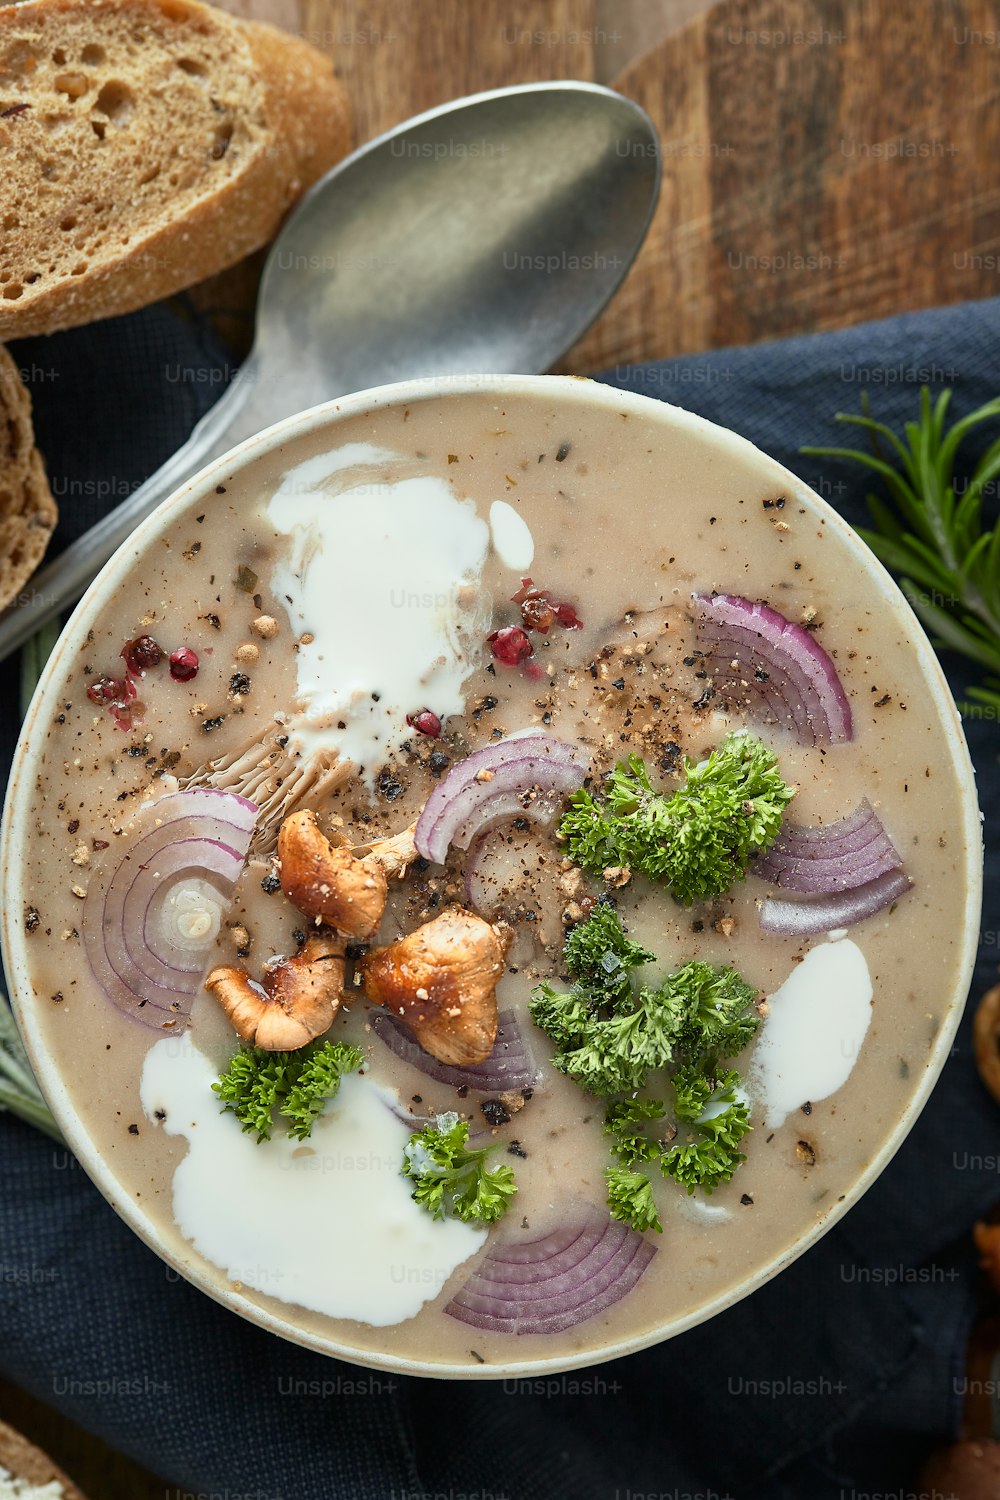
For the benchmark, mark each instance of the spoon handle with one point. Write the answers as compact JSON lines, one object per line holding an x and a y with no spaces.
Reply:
{"x":66,"y":577}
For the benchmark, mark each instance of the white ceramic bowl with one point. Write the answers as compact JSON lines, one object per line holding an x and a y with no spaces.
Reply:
{"x":873,"y":582}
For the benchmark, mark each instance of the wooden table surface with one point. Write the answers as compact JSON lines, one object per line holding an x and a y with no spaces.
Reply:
{"x":825,"y":162}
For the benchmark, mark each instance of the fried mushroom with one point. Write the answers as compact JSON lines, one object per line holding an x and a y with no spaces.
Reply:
{"x":339,"y":887}
{"x":441,"y":981}
{"x":295,"y":1001}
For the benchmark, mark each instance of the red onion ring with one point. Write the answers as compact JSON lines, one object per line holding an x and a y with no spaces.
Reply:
{"x":503,"y":780}
{"x":839,"y":909}
{"x":509,"y":1066}
{"x":552,"y":1283}
{"x":476,"y":892}
{"x":485,"y":852}
{"x":200,"y":834}
{"x":800,"y":687}
{"x":778,"y":696}
{"x":838,"y":857}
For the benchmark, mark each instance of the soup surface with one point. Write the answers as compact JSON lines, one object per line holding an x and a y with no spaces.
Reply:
{"x":329,"y":589}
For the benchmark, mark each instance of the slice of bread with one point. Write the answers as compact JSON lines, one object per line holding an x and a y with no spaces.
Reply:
{"x":146,"y":145}
{"x":33,"y":1473}
{"x":28,"y":512}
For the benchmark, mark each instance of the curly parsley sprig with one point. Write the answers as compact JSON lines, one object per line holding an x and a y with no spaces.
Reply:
{"x":711,"y":1154}
{"x":449,"y":1180}
{"x":699,"y":839}
{"x":295,"y":1085}
{"x":613,"y":1036}
{"x":630,"y":1198}
{"x":934,"y":535}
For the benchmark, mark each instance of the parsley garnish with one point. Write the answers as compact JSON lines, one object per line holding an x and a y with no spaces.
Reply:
{"x":715,"y":1003}
{"x":713,"y":1155}
{"x":450,"y":1180}
{"x":630,"y":1198}
{"x":613,"y":1035}
{"x":713,"y":1116}
{"x":295,"y":1084}
{"x":610,"y":1046}
{"x":607,"y":1038}
{"x":623,"y":1122}
{"x":698,"y":840}
{"x":600,"y":953}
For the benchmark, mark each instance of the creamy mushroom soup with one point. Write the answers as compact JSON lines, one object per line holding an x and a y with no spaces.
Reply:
{"x":504,"y":1055}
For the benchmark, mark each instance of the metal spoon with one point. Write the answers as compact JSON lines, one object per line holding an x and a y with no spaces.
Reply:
{"x":482,"y":237}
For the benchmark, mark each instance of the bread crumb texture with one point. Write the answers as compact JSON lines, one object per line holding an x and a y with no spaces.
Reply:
{"x":28,"y":512}
{"x":26,"y":1473}
{"x":13,"y":1488}
{"x":147,"y":144}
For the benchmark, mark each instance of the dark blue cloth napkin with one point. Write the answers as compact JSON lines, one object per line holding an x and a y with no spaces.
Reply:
{"x":835,"y":1377}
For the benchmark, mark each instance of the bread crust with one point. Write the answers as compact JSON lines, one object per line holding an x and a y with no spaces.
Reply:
{"x":28,"y":513}
{"x":25,"y":1461}
{"x":308,"y":118}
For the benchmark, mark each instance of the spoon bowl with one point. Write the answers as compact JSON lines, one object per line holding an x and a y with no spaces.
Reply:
{"x":481,"y":237}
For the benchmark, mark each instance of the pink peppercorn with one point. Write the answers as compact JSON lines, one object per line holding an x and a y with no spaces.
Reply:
{"x":183,"y":664}
{"x":141,"y":653}
{"x":510,"y":645}
{"x":425,"y":722}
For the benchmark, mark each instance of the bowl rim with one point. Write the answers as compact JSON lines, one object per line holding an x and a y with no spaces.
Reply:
{"x":17,"y":805}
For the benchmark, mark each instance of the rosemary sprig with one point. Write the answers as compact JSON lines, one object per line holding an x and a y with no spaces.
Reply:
{"x":934,"y":535}
{"x":19,"y":1092}
{"x":34,"y":654}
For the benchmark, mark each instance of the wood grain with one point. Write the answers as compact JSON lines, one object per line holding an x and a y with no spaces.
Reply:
{"x":398,"y":59}
{"x":825,"y":162}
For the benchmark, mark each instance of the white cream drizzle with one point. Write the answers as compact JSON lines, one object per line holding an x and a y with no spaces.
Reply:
{"x":512,"y":538}
{"x":815,"y":1026}
{"x":697,"y":1208}
{"x":328,"y":1223}
{"x":382,"y":571}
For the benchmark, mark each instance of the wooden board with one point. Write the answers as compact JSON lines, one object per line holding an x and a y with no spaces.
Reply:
{"x":843,"y":170}
{"x":825,"y":161}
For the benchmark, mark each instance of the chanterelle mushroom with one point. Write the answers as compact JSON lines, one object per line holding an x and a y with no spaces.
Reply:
{"x":295,"y":1001}
{"x":441,"y":980}
{"x":339,"y":887}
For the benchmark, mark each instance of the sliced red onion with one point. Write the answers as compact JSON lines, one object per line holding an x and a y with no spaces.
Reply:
{"x":522,"y":776}
{"x":509,"y":1066}
{"x":487,"y":880}
{"x":156,"y":900}
{"x":838,"y":857}
{"x":779,"y":665}
{"x":552,"y":1283}
{"x":477,"y":888}
{"x":827,"y":913}
{"x":479,"y":1136}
